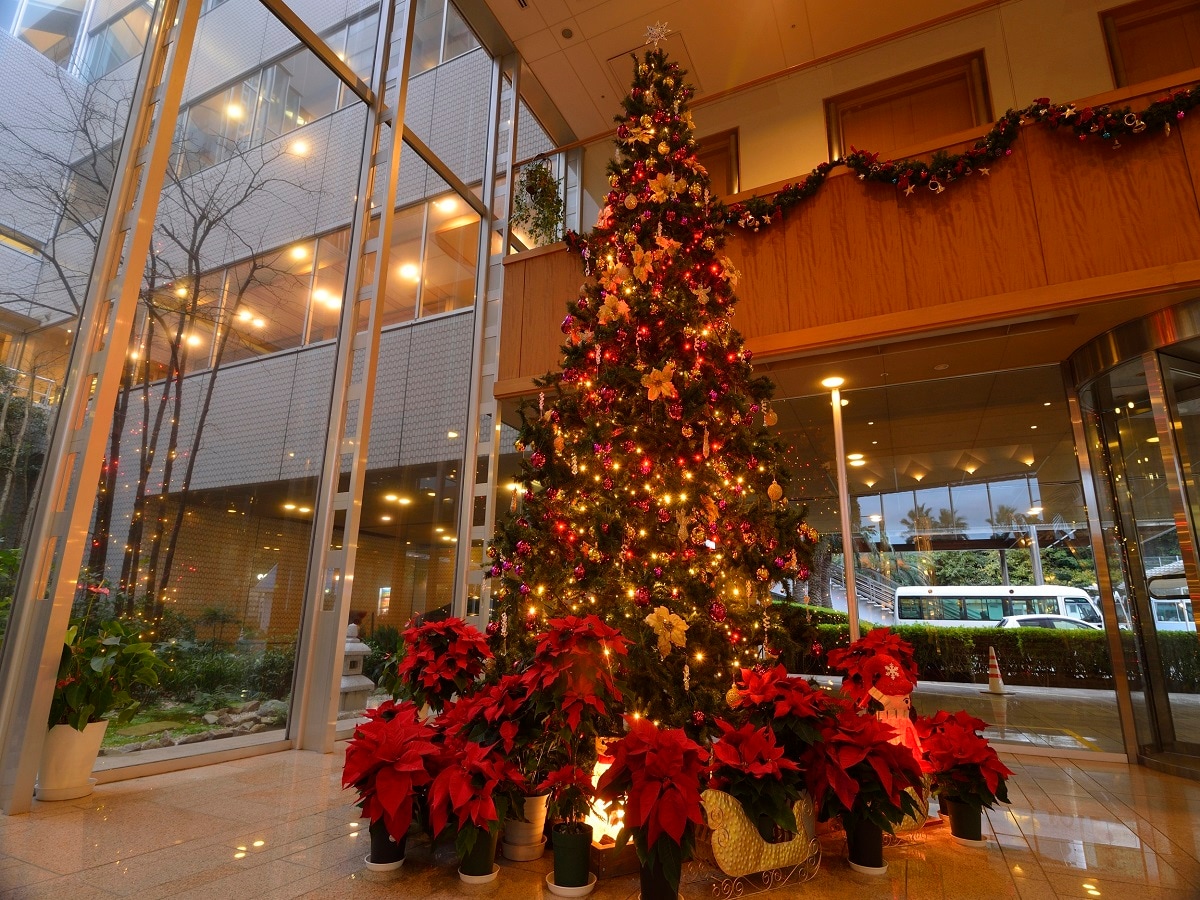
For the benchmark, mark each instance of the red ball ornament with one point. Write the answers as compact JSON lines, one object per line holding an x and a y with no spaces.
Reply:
{"x":641,"y":596}
{"x":675,"y":411}
{"x":698,"y":719}
{"x":716,"y":611}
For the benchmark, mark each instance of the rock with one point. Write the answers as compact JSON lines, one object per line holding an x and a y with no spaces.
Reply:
{"x":220,"y":733}
{"x":273,"y":709}
{"x":210,"y":718}
{"x":249,"y":706}
{"x":196,"y":738}
{"x":242,"y":718}
{"x":225,"y":719}
{"x":259,"y":728}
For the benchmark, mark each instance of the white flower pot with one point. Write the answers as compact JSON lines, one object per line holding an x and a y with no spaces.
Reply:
{"x":525,"y":840}
{"x":67,"y":760}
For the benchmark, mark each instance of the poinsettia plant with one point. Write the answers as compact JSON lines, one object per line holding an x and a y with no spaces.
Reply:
{"x":440,"y":659}
{"x":964,"y":765}
{"x":571,"y":792}
{"x":856,"y":772}
{"x":475,"y":788}
{"x":390,"y":760}
{"x":790,"y":707}
{"x":855,"y":661}
{"x":658,"y":773}
{"x":749,"y":765}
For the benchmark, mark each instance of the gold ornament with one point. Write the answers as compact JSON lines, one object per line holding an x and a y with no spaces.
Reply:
{"x":686,"y":431}
{"x":663,"y":148}
{"x":732,"y":696}
{"x":559,"y":443}
{"x":643,"y":70}
{"x":775,"y":492}
{"x":630,"y":201}
{"x":708,"y":244}
{"x":770,"y":417}
{"x":697,"y":535}
{"x":762,"y":574}
{"x":646,"y":121}
{"x":669,"y":81}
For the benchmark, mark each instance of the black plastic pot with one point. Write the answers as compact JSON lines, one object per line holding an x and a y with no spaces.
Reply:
{"x":572,"y":854}
{"x":655,"y":885}
{"x":864,"y":843}
{"x":966,"y":819}
{"x":482,"y":857}
{"x":384,"y":849}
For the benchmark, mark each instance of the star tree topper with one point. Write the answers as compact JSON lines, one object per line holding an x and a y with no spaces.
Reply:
{"x":657,"y":32}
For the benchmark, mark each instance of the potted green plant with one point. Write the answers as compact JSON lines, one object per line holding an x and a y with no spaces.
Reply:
{"x":571,"y":794}
{"x":967,"y":772}
{"x":474,"y":789}
{"x":857,"y":773}
{"x":576,"y":693}
{"x":537,"y":205}
{"x":97,"y":673}
{"x":658,"y":774}
{"x":502,"y":713}
{"x":390,"y":760}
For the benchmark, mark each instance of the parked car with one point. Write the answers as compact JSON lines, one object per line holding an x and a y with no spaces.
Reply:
{"x":1066,"y":623}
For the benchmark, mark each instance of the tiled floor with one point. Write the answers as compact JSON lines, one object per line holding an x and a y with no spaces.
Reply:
{"x":279,"y":826}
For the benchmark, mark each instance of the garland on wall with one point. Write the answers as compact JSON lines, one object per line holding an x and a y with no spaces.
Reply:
{"x":1088,"y":123}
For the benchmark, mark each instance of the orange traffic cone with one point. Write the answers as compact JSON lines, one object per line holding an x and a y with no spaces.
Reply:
{"x":995,"y":682}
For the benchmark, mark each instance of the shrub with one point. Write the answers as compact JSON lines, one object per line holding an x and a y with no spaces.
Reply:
{"x":1028,"y":656}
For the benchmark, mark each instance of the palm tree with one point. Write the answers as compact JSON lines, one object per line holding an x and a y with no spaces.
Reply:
{"x":1006,"y":521}
{"x":951,"y":525}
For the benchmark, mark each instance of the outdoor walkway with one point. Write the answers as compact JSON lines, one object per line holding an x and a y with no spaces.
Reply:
{"x":279,"y":826}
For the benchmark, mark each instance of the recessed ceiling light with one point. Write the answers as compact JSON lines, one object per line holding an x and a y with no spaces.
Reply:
{"x":854,"y":456}
{"x":832,"y":382}
{"x":404,"y":501}
{"x":289,"y":506}
{"x":391,"y":498}
{"x":858,"y":462}
{"x":1152,"y":440}
{"x":431,"y":493}
{"x":304,"y":509}
{"x":385,"y":518}
{"x":1033,"y":428}
{"x":941,"y":367}
{"x":452,"y":434}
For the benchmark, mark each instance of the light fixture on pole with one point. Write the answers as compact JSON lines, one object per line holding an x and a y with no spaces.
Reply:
{"x":834,"y":384}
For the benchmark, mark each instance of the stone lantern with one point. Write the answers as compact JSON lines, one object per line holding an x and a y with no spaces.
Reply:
{"x":356,"y":687}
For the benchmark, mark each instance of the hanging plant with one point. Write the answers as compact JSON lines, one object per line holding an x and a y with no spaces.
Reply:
{"x":537,"y":207}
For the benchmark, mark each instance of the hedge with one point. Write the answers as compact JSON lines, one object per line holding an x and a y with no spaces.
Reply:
{"x":1039,"y":657}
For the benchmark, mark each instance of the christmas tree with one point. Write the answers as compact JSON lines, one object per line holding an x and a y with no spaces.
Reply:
{"x":653,"y":494}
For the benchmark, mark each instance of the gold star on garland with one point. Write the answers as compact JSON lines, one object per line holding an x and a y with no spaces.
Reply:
{"x":657,"y":32}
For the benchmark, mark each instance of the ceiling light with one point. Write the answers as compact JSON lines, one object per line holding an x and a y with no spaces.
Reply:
{"x":385,"y":518}
{"x":304,"y":509}
{"x":258,"y":323}
{"x":245,"y":315}
{"x":299,"y":252}
{"x":391,"y":498}
{"x":289,"y":506}
{"x":1033,"y":428}
{"x":410,"y":271}
{"x":451,"y":434}
{"x":858,"y":462}
{"x":833,"y":382}
{"x":181,"y":292}
{"x":1034,"y":511}
{"x":854,"y":456}
{"x":235,"y":111}
{"x":941,"y":367}
{"x":193,"y":340}
{"x":876,"y":518}
{"x":439,"y":529}
{"x":1047,"y":403}
{"x":299,"y":148}
{"x":447,"y":205}
{"x":431,"y":493}
{"x":1152,"y":440}
{"x":404,"y":501}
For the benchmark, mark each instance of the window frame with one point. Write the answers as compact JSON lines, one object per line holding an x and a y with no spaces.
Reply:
{"x":1111,"y":20}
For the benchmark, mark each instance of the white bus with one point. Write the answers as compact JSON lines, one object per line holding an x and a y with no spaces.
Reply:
{"x":958,"y":606}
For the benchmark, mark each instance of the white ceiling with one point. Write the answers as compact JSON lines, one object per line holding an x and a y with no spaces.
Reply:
{"x":723,"y":43}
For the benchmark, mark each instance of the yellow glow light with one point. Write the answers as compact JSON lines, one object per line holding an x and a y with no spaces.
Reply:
{"x":833,"y":382}
{"x":299,"y":252}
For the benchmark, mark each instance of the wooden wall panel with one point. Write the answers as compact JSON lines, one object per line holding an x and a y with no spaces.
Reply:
{"x":1189,"y":137}
{"x":843,"y":253}
{"x":511,"y":327}
{"x":763,"y":286}
{"x":978,"y":237}
{"x":1098,"y":215}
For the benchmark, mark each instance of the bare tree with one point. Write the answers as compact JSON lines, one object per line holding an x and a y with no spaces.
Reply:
{"x":62,"y":169}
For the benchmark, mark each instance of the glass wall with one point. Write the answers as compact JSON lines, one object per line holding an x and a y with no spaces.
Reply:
{"x":966,"y":483}
{"x":1143,"y":438}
